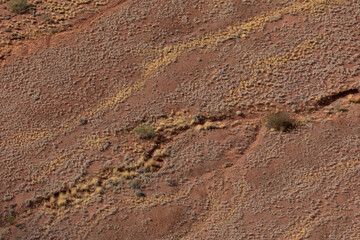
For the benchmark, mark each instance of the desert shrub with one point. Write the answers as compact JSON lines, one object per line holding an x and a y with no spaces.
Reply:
{"x":171,"y":183}
{"x":11,"y":219}
{"x":139,"y":193}
{"x":280,"y":121}
{"x":145,"y":132}
{"x":18,"y":6}
{"x":134,"y":184}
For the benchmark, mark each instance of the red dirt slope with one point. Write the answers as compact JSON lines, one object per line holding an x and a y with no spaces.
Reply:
{"x":200,"y":76}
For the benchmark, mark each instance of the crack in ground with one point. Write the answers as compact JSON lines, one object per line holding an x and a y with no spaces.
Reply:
{"x":327,"y":100}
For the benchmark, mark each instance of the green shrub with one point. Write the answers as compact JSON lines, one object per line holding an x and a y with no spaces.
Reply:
{"x":145,"y":132}
{"x":18,"y":6}
{"x":11,"y":219}
{"x":279,"y":121}
{"x":134,"y":184}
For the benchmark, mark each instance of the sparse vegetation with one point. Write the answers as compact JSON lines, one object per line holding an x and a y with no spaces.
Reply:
{"x":171,"y":183}
{"x":62,"y":200}
{"x":11,"y":219}
{"x":134,"y":184}
{"x":354,"y":99}
{"x":99,"y":190}
{"x":18,"y":6}
{"x":129,"y":175}
{"x":139,"y":193}
{"x":83,"y":121}
{"x":279,"y":121}
{"x":145,"y":132}
{"x":126,"y":127}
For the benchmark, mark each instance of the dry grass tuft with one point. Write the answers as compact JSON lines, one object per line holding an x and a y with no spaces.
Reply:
{"x":354,"y":99}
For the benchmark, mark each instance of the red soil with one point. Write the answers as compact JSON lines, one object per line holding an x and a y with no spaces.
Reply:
{"x":202,"y":74}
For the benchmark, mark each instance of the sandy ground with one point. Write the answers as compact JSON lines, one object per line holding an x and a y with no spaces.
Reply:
{"x":201,"y":75}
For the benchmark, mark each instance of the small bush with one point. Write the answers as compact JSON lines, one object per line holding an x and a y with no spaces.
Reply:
{"x":279,"y":121}
{"x":139,"y":193}
{"x":134,"y":184}
{"x":11,"y":219}
{"x":171,"y":183}
{"x":145,"y":132}
{"x":18,"y":6}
